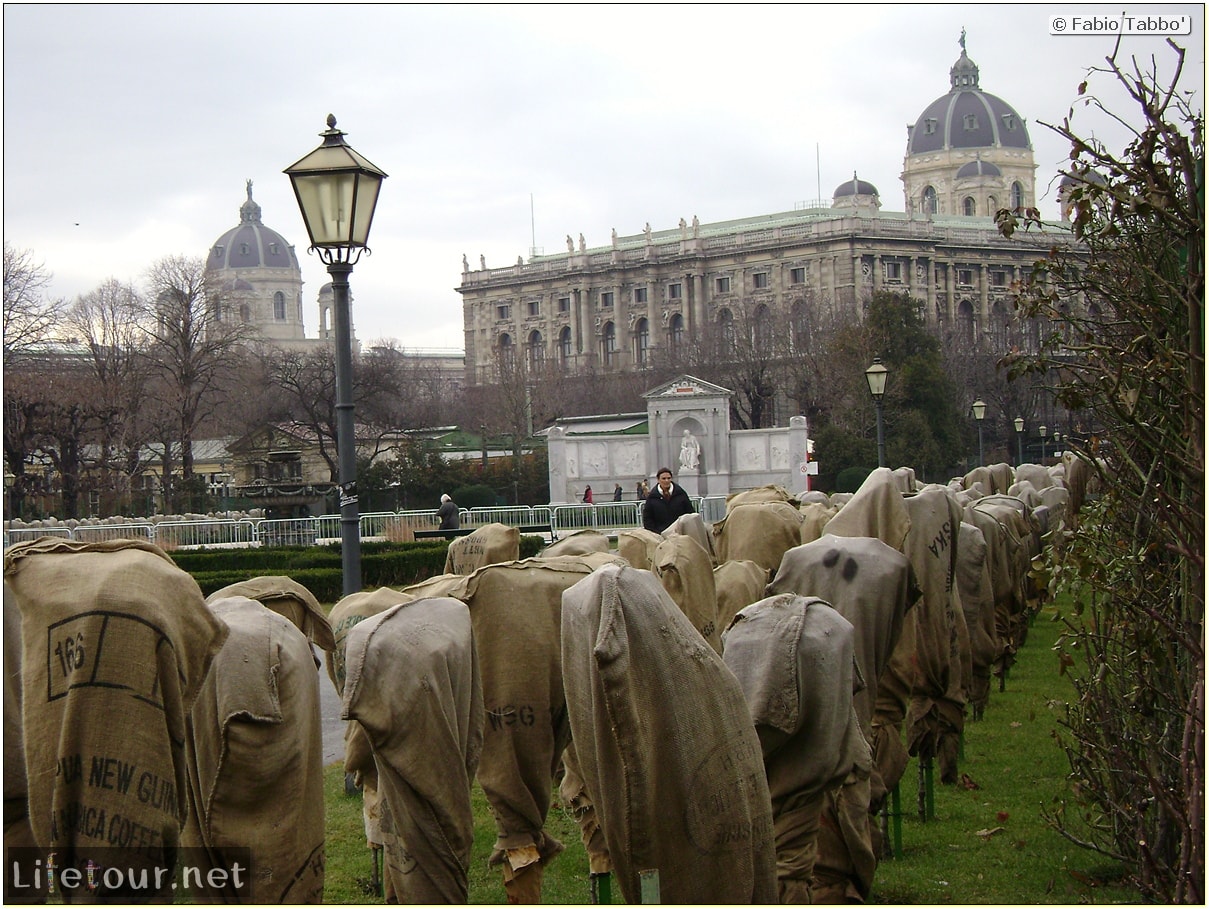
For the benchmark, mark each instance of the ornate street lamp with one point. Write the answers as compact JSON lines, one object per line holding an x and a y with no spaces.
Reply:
{"x":979,"y":409}
{"x":337,"y":191}
{"x":1019,"y":424}
{"x":875,"y":375}
{"x":1041,"y":432}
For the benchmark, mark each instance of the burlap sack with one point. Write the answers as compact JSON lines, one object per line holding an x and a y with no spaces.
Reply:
{"x":686,"y":573}
{"x":579,"y":542}
{"x":514,"y":610}
{"x":487,"y":545}
{"x":737,"y":584}
{"x":693,"y":525}
{"x":1002,"y":476}
{"x":1008,"y":594}
{"x":904,"y":478}
{"x":116,"y":642}
{"x":979,"y":478}
{"x":665,"y":744}
{"x":413,"y":685}
{"x":869,"y":584}
{"x":840,"y":499}
{"x":795,"y":660}
{"x":813,"y":497}
{"x":1026,"y":493}
{"x":760,"y":532}
{"x":17,"y":833}
{"x":286,"y":597}
{"x":1056,"y":499}
{"x":638,"y":546}
{"x":347,"y":613}
{"x":770,"y":492}
{"x":1022,"y":543}
{"x":814,"y":518}
{"x":937,"y":704}
{"x":573,"y":793}
{"x":978,"y":605}
{"x":255,"y":757}
{"x":876,"y":510}
{"x":1036,"y":474}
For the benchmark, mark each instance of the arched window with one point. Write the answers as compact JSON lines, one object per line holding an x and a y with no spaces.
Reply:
{"x":676,"y":331}
{"x":564,"y":346}
{"x":1000,"y":322}
{"x":279,"y":306}
{"x":506,"y":350}
{"x":965,"y":322}
{"x":537,"y":350}
{"x":642,"y":342}
{"x":726,"y":329}
{"x":930,"y":205}
{"x":1017,"y":195}
{"x":245,"y":312}
{"x":967,"y":206}
{"x":609,"y":343}
{"x":799,"y":327}
{"x":762,"y":329}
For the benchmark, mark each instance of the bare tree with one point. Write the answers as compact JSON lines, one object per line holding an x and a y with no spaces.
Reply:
{"x":29,"y":315}
{"x":194,"y":350}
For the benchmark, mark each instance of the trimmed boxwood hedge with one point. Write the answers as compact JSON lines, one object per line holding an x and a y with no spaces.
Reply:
{"x":319,"y":568}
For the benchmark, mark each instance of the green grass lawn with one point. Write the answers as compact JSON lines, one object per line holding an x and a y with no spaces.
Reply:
{"x":984,"y":845}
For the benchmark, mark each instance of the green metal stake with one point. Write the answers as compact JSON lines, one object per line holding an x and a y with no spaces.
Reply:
{"x":648,"y":882}
{"x":601,"y":888}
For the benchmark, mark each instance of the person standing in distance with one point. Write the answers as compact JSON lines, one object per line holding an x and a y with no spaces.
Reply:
{"x":448,"y":513}
{"x":665,"y":503}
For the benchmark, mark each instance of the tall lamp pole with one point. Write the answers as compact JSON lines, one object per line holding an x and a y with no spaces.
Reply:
{"x":875,"y":375}
{"x":337,"y":191}
{"x":1041,"y":431}
{"x":980,"y":411}
{"x":1019,"y":424}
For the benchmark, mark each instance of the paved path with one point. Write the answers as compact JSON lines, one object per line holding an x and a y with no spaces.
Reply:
{"x":329,"y":710}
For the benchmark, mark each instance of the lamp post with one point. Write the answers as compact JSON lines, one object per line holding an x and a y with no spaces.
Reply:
{"x":1019,"y":424}
{"x":1058,"y":443}
{"x":979,"y":409}
{"x":875,"y":375}
{"x":337,"y":191}
{"x":1041,"y":432}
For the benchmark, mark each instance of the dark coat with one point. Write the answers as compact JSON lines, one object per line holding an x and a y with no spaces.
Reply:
{"x":448,"y":513}
{"x":658,"y":514}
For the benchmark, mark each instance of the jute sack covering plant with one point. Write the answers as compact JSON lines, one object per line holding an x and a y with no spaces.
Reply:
{"x":17,"y":833}
{"x":978,"y":604}
{"x":573,"y":793}
{"x":1036,"y":474}
{"x":759,"y":532}
{"x":693,"y":525}
{"x":358,"y":754}
{"x":686,"y":573}
{"x":487,"y":545}
{"x":876,"y":510}
{"x":1008,"y":597}
{"x":815,"y":516}
{"x":813,"y":496}
{"x":770,"y":492}
{"x":638,"y":546}
{"x":936,"y":714}
{"x":904,"y":477}
{"x":665,"y":745}
{"x":1002,"y":476}
{"x":514,"y":609}
{"x":255,"y":753}
{"x":794,"y":658}
{"x":737,"y":584}
{"x":286,"y":597}
{"x":1011,"y":604}
{"x":413,"y":685}
{"x":873,"y":587}
{"x":580,"y":542}
{"x":979,"y":478}
{"x":116,"y":642}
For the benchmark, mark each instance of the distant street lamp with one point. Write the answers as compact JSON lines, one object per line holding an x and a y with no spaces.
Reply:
{"x":1057,"y":443}
{"x":980,"y":411}
{"x":1041,"y":432}
{"x":1019,"y":424}
{"x":875,"y":375}
{"x":337,"y":191}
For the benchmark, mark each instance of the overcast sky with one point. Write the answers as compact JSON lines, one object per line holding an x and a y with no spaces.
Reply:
{"x":129,"y":130}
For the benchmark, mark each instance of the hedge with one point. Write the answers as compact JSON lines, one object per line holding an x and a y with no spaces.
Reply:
{"x":319,"y":568}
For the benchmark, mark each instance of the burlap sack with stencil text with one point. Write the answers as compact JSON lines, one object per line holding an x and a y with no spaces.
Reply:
{"x":665,"y":744}
{"x":116,"y":643}
{"x":514,"y":610}
{"x":487,"y":545}
{"x":255,"y":752}
{"x":413,"y":686}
